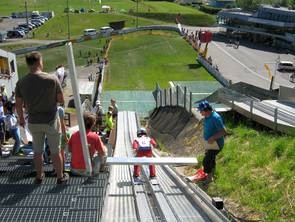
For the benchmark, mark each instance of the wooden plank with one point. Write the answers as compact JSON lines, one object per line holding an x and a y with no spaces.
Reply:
{"x":152,"y":160}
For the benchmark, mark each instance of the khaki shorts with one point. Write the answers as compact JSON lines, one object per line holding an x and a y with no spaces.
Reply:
{"x":51,"y":131}
{"x":96,"y":165}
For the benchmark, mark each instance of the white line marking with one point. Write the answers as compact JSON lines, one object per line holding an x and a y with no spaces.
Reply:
{"x":233,"y":58}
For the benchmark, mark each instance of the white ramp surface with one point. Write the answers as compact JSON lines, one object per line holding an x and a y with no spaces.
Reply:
{"x":120,"y":204}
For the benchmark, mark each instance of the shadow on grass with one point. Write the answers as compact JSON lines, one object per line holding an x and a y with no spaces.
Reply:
{"x":194,"y":66}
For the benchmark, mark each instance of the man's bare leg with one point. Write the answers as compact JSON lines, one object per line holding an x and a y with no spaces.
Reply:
{"x":57,"y":163}
{"x":38,"y":161}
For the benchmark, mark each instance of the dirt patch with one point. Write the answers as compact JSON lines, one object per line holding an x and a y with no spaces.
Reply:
{"x":181,"y":133}
{"x":178,"y":130}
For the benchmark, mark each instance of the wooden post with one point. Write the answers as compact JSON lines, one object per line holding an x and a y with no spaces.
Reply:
{"x":157,"y":100}
{"x":170,"y":92}
{"x":177,"y":92}
{"x":165,"y":97}
{"x":184,"y":98}
{"x":190,"y":102}
{"x":161,"y":97}
{"x":276,"y":119}
{"x":251,"y":109}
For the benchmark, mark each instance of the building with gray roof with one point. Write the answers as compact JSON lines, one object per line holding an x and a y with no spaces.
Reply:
{"x":269,"y":24}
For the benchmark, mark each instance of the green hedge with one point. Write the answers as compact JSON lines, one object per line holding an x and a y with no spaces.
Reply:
{"x":209,"y":9}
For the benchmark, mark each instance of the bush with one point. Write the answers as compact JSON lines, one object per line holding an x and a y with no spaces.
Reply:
{"x":209,"y":9}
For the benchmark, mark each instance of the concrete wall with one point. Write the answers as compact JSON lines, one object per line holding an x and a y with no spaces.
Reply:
{"x":213,"y":71}
{"x":287,"y":94}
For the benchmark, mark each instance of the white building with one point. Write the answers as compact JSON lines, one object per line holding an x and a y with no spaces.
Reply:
{"x":8,"y":71}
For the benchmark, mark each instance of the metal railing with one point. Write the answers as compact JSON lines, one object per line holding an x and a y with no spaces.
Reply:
{"x":278,"y":114}
{"x":174,"y":96}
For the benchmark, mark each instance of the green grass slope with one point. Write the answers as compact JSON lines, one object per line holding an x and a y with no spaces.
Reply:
{"x":139,"y":60}
{"x":256,"y":169}
{"x":55,"y":56}
{"x":149,"y":13}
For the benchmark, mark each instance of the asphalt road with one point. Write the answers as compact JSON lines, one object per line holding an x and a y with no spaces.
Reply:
{"x":246,"y":64}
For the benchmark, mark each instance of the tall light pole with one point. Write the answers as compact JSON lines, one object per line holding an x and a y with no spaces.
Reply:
{"x":27,"y":20}
{"x":68,"y":15}
{"x":137,"y":13}
{"x":272,"y":77}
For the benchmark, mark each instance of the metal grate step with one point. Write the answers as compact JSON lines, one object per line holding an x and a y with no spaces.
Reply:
{"x":48,"y":215}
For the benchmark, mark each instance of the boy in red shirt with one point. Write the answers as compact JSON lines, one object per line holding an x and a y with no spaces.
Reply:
{"x":97,"y":150}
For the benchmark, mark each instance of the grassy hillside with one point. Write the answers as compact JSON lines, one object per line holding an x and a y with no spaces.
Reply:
{"x":55,"y":56}
{"x":149,"y":13}
{"x":139,"y":60}
{"x":256,"y":170}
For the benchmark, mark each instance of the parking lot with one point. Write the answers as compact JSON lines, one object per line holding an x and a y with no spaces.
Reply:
{"x":20,"y":27}
{"x":10,"y":23}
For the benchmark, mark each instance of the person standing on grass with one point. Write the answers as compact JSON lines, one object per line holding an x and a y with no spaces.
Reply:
{"x":40,"y":93}
{"x":115,"y":108}
{"x":214,"y":132}
{"x":97,"y":150}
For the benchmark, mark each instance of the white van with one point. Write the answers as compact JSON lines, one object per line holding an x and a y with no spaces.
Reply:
{"x":90,"y":32}
{"x":105,"y":31}
{"x":286,"y":66}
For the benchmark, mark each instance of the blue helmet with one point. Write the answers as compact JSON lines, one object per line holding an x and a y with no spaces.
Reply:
{"x":204,"y":105}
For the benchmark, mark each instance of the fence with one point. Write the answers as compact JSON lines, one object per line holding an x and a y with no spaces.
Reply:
{"x":84,"y":38}
{"x":232,"y":97}
{"x":174,"y":96}
{"x":213,"y":71}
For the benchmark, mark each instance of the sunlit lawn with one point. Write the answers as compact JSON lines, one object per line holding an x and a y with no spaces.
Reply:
{"x":139,"y":60}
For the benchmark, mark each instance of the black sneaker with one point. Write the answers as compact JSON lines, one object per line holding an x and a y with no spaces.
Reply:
{"x":64,"y":179}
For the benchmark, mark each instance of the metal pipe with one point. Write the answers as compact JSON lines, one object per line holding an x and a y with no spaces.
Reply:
{"x":73,"y":74}
{"x":68,"y":15}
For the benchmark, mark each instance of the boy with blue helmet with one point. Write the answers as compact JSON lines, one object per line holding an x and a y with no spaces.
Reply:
{"x":214,"y":132}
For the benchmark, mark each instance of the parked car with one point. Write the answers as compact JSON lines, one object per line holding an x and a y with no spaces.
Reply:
{"x":42,"y":17}
{"x":292,"y":77}
{"x":3,"y":36}
{"x":90,"y":32}
{"x":38,"y":20}
{"x":15,"y":34}
{"x":25,"y":30}
{"x":26,"y":26}
{"x":105,"y":31}
{"x":286,"y":66}
{"x":36,"y":23}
